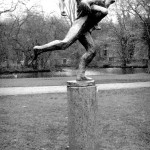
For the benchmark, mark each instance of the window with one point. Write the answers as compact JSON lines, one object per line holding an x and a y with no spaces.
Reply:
{"x":105,"y":53}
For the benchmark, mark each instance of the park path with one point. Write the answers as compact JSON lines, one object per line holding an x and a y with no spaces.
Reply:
{"x":63,"y":89}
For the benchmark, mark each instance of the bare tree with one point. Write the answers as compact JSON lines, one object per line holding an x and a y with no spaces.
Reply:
{"x":6,"y":9}
{"x":69,"y":6}
{"x":123,"y":34}
{"x":141,"y":9}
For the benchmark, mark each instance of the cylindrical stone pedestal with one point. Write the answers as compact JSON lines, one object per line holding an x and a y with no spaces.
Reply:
{"x":82,"y":115}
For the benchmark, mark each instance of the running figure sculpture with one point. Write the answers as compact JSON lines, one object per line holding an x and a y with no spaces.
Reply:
{"x":89,"y":13}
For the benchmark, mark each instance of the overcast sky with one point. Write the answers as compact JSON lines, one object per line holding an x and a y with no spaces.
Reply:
{"x":47,"y":6}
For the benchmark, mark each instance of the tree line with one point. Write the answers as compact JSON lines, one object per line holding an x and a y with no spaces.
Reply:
{"x":128,"y":36}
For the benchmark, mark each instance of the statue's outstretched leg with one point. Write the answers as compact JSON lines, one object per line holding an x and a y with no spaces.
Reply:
{"x":87,"y":41}
{"x":73,"y":34}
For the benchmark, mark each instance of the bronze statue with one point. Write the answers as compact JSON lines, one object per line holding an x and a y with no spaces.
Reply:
{"x":90,"y":12}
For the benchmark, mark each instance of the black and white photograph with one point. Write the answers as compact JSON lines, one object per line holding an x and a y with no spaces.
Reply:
{"x":74,"y":74}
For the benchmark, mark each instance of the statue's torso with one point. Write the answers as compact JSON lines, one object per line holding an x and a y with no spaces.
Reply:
{"x":94,"y":17}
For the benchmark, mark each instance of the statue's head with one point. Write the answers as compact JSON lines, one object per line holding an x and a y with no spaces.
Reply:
{"x":109,"y":2}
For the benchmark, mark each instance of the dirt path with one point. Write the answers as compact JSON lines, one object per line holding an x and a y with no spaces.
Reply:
{"x":63,"y":89}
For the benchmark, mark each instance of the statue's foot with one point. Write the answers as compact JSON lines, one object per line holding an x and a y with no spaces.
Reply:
{"x":83,"y":78}
{"x":97,"y":27}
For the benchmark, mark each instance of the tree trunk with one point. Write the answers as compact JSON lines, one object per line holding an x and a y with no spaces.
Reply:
{"x":148,"y":62}
{"x":124,"y":63}
{"x":148,"y":66}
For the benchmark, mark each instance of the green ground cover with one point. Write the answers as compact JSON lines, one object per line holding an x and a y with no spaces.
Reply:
{"x":56,"y":81}
{"x":39,"y":122}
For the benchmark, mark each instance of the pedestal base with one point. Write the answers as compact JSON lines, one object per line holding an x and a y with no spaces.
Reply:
{"x":82,"y":115}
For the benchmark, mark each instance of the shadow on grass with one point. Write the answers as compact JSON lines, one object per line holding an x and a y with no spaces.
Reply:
{"x":39,"y":122}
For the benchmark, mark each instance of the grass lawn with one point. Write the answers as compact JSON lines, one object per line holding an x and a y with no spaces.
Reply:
{"x":39,"y":122}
